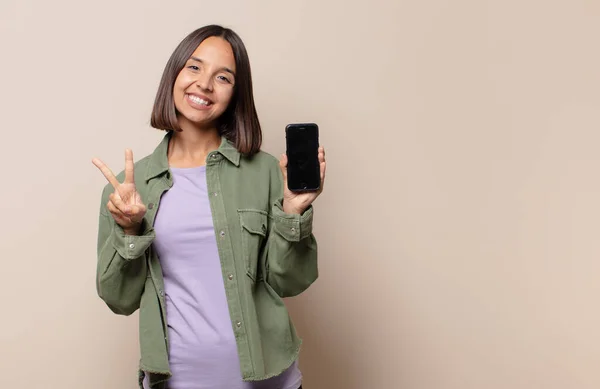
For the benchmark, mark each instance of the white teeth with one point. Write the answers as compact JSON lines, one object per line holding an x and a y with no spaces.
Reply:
{"x":198,"y":100}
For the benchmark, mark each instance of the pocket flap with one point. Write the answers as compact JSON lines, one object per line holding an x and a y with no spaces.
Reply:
{"x":255,"y":221}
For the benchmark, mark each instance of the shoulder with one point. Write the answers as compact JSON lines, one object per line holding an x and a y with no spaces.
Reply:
{"x":263,"y":158}
{"x":262,"y":162}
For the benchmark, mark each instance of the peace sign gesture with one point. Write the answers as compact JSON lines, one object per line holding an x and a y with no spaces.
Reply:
{"x":125,"y":203}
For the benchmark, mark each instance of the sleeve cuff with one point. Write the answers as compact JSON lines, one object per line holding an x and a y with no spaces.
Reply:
{"x":132,"y":246}
{"x":293,"y":228}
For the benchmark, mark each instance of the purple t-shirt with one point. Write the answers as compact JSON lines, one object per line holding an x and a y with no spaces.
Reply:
{"x":202,"y":348}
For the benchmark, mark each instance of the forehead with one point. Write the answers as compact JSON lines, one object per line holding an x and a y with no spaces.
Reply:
{"x":216,"y":51}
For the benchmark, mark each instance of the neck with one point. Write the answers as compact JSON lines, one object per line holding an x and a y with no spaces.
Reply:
{"x":189,"y":147}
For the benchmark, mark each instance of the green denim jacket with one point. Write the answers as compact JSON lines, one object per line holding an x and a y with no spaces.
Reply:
{"x":265,"y":255}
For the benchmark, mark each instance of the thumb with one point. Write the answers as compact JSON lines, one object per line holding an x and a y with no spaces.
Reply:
{"x":283,"y":161}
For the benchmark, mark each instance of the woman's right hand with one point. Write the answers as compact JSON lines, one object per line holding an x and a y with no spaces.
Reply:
{"x":125,"y":203}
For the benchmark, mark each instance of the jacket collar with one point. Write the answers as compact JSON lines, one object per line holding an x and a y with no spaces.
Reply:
{"x":159,"y":163}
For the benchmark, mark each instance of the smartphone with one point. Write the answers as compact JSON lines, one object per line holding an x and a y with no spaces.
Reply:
{"x":302,"y":149}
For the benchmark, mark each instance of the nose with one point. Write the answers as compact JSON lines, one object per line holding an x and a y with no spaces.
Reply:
{"x":204,"y":82}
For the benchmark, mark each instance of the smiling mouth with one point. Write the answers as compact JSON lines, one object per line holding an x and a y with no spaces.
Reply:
{"x":199,"y":101}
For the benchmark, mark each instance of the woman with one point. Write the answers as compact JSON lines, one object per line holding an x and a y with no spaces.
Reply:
{"x":203,"y":235}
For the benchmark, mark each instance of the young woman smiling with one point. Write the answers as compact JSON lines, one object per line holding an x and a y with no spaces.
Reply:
{"x":203,"y":236}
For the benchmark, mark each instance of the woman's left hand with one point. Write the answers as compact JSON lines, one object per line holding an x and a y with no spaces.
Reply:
{"x":298,"y":202}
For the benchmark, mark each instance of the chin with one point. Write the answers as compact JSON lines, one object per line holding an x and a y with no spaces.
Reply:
{"x":197,"y":120}
{"x":193,"y":115}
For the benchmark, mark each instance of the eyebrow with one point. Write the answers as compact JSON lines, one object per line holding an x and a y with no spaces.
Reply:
{"x":226,"y":69}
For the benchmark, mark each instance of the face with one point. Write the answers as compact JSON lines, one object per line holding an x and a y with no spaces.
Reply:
{"x":204,"y":87}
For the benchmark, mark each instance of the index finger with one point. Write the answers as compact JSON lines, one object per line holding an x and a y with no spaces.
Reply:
{"x":106,"y":172}
{"x":129,"y":178}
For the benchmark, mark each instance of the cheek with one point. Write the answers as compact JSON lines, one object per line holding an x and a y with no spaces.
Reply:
{"x":225,"y":97}
{"x":181,"y":84}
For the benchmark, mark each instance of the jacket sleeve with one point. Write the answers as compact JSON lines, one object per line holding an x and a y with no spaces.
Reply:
{"x":291,"y":247}
{"x":122,"y":267}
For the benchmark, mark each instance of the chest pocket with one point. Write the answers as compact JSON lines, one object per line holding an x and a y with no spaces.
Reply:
{"x":254,"y":232}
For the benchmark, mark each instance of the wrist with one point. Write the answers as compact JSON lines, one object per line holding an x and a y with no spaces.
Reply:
{"x":134,"y":230}
{"x":291,"y":210}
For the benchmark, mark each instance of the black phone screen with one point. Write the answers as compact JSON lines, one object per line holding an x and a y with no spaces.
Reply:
{"x":302,"y":142}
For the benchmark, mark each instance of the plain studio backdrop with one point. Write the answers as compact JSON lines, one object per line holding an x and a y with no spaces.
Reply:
{"x":458,"y":229}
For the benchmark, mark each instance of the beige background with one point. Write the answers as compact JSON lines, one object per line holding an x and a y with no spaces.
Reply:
{"x":458,"y":230}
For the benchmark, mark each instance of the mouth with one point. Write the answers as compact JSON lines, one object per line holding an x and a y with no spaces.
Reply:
{"x":199,"y":102}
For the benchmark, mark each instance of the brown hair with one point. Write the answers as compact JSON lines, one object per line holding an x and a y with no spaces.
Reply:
{"x":239,"y":123}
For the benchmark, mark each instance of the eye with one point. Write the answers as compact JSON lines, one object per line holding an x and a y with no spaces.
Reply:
{"x":224,"y":79}
{"x":194,"y":68}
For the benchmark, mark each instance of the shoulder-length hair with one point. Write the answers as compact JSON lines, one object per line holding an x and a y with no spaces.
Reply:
{"x":239,"y":123}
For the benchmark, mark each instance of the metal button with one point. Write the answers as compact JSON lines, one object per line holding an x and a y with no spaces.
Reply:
{"x":230,"y":277}
{"x":161,"y":292}
{"x":131,"y":246}
{"x":151,"y":205}
{"x":214,"y":156}
{"x":222,"y":233}
{"x":239,"y":324}
{"x":293,"y":229}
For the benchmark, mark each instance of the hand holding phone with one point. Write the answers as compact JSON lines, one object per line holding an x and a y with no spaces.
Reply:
{"x":303,"y":167}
